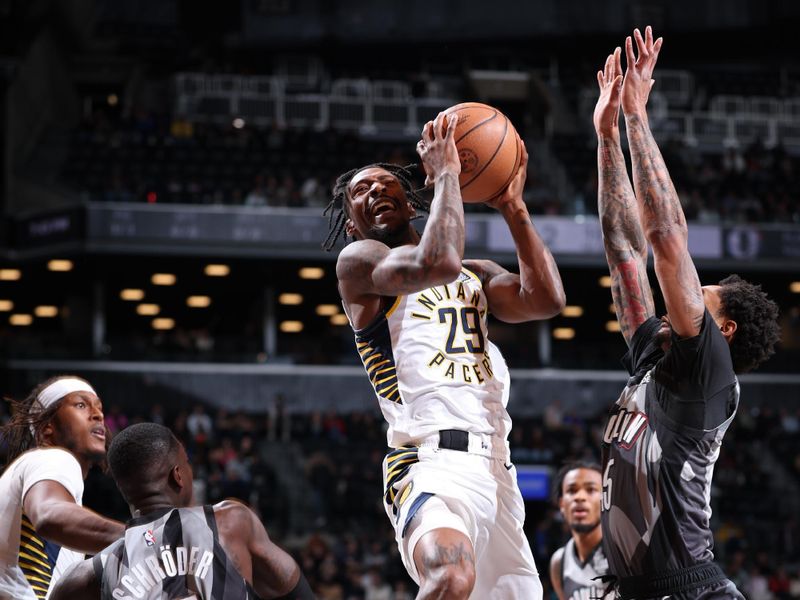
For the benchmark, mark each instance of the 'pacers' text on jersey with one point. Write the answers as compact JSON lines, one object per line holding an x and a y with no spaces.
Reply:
{"x":433,"y":346}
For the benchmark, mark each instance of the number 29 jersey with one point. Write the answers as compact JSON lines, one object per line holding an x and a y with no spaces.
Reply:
{"x":432,"y":365}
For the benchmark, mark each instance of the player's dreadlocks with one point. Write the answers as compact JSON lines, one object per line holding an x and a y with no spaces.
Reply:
{"x":337,"y":207}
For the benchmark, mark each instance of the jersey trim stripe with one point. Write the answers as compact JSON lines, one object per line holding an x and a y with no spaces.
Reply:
{"x":394,"y":306}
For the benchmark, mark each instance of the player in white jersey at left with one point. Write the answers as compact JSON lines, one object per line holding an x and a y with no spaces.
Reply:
{"x":53,"y":438}
{"x":420,"y":313}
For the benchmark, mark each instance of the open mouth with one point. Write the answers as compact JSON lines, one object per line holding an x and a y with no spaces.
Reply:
{"x":99,"y":433}
{"x":580,"y":513}
{"x":382,"y":205}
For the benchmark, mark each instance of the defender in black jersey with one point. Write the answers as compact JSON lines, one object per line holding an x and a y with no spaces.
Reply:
{"x":664,"y":433}
{"x":577,"y":569}
{"x":174,"y":551}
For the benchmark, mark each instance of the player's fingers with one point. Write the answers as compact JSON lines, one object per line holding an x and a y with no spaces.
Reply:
{"x":452,"y":122}
{"x":608,"y":67}
{"x":523,"y":162}
{"x":427,"y":132}
{"x":630,"y":59}
{"x":657,"y":48}
{"x":616,"y":86}
{"x":648,"y":36}
{"x":438,"y":128}
{"x":642,"y":49}
{"x":600,"y":79}
{"x":618,"y":61}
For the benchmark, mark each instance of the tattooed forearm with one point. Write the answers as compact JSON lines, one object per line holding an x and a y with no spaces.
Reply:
{"x":444,"y":232}
{"x":633,"y":298}
{"x":659,"y":202}
{"x":623,"y":238}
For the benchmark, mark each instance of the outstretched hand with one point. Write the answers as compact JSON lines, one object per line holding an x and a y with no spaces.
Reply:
{"x":513,"y":192}
{"x":606,"y":112}
{"x":639,"y":71}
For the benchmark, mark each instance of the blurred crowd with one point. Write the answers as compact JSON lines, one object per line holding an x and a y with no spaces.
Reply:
{"x":168,"y":159}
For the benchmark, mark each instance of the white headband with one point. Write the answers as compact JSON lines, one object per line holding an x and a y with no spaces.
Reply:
{"x":60,"y":388}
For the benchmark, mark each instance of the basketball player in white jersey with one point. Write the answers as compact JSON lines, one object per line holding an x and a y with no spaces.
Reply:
{"x":420,"y":312}
{"x":55,"y":435}
{"x":577,"y":568}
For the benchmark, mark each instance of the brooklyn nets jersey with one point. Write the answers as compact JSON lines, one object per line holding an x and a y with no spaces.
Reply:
{"x":581,"y":580}
{"x":432,"y":365}
{"x":660,"y":444}
{"x":171,"y":554}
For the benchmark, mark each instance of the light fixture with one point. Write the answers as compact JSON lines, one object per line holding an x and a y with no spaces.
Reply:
{"x":217,"y":270}
{"x":612,"y":308}
{"x":339,"y":319}
{"x":290,"y":299}
{"x":20,"y":319}
{"x":327,"y":310}
{"x":112,"y":99}
{"x":198,"y":301}
{"x":238,"y":123}
{"x":163,"y":323}
{"x":148,"y":310}
{"x":794,"y":287}
{"x":572,"y":311}
{"x":613,"y":326}
{"x":10,"y":274}
{"x":163,"y":279}
{"x":291,"y":326}
{"x":45,"y":311}
{"x":605,"y":281}
{"x":563,"y":333}
{"x":60,"y":264}
{"x":131,"y":294}
{"x":6,"y":305}
{"x":311,"y":273}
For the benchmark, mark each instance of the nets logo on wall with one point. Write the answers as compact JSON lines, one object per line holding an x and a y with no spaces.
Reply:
{"x":743,"y":242}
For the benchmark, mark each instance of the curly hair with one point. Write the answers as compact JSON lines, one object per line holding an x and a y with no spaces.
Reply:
{"x":756,"y":317}
{"x":336,"y":210}
{"x":558,"y":480}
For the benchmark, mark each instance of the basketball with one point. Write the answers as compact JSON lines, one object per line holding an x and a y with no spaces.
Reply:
{"x":489,"y":150}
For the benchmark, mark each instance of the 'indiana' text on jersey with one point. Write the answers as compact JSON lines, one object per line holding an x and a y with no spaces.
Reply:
{"x":432,"y":365}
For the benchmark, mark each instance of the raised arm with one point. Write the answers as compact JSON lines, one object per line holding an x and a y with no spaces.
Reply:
{"x":56,"y":517}
{"x":623,"y":238}
{"x":371,"y":267}
{"x":662,"y":215}
{"x":537,"y":292}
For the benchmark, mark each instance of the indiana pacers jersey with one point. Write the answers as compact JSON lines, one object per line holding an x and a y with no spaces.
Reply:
{"x":432,"y":365}
{"x":171,"y":554}
{"x":29,"y":564}
{"x":582,"y":580}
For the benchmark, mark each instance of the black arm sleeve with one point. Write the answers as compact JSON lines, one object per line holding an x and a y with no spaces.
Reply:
{"x":302,"y":591}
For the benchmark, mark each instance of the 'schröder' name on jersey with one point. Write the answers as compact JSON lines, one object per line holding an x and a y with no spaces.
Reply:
{"x":171,"y":562}
{"x":457,"y":309}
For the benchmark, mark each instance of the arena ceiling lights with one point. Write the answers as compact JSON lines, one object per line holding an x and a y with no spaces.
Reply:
{"x":217,"y":270}
{"x":60,"y":265}
{"x":10,"y":274}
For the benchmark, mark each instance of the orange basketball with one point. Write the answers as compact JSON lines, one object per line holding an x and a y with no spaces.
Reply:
{"x":489,"y":149}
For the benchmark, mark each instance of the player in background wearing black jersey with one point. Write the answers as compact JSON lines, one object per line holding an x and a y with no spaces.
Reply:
{"x":665,"y":432}
{"x":173,"y":550}
{"x":577,"y":567}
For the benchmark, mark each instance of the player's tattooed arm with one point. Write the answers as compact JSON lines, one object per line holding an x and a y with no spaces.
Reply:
{"x":623,"y":239}
{"x":662,"y":215}
{"x":445,"y":554}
